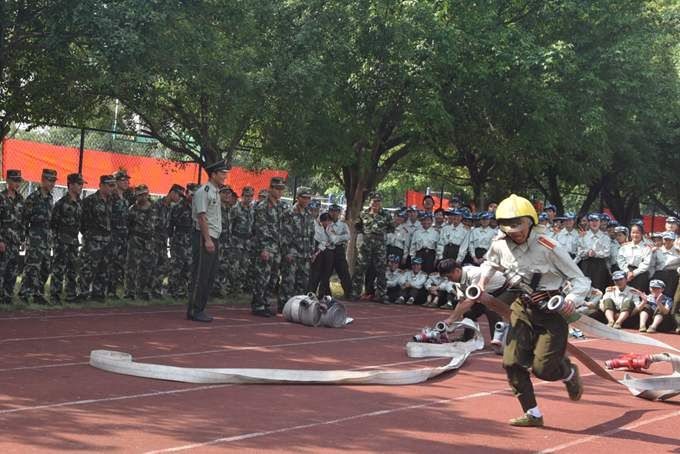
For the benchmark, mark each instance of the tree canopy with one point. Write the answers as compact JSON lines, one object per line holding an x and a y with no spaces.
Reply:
{"x":572,"y":102}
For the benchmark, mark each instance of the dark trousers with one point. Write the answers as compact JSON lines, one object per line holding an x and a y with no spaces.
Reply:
{"x":341,"y":268}
{"x":451,"y":251}
{"x":596,"y":270}
{"x":320,"y":275}
{"x":204,"y":267}
{"x":393,"y":293}
{"x":428,"y":256}
{"x":418,"y":294}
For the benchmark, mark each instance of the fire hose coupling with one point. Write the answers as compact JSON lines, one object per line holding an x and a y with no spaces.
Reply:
{"x":473,"y":292}
{"x":500,"y":334}
{"x":432,"y":336}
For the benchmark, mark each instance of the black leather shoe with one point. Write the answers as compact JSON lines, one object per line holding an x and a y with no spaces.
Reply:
{"x":201,"y":317}
{"x":264,"y":312}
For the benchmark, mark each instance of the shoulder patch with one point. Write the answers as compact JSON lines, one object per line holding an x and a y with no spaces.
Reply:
{"x":206,"y":188}
{"x":546,"y":242}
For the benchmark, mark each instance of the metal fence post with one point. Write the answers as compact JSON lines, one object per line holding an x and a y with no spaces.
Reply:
{"x":82,"y":151}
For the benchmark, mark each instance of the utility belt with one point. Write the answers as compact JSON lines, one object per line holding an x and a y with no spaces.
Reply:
{"x":538,"y":299}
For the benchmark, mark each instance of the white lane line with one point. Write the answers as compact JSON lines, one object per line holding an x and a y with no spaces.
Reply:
{"x":193,"y":327}
{"x":610,"y":432}
{"x":73,"y":403}
{"x":93,"y":314}
{"x":226,"y":349}
{"x":250,"y":435}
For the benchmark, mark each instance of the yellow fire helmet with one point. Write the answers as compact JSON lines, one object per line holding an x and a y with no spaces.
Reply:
{"x":515,"y":207}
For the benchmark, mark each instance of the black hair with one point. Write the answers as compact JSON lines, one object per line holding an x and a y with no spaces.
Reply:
{"x":325,"y":217}
{"x":446,"y":266}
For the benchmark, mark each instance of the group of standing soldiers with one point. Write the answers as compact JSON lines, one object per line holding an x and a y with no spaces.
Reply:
{"x":115,"y":240}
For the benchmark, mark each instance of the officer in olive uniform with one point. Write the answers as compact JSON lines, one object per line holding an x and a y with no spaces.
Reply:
{"x":96,"y":250}
{"x":12,"y":234}
{"x":161,"y":234}
{"x":373,"y":224}
{"x":181,"y":226}
{"x":242,"y":217}
{"x":207,"y":216}
{"x":298,"y":249}
{"x":268,"y":242}
{"x":120,"y":206}
{"x":37,"y":219}
{"x":66,"y":218}
{"x":140,"y":257}
{"x":537,"y":340}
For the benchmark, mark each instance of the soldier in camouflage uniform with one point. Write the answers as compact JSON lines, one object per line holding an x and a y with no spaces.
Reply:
{"x":181,"y":226}
{"x":161,"y":263}
{"x":119,"y":231}
{"x":223,"y":282}
{"x":241,"y":233}
{"x":298,"y":224}
{"x":267,"y":246}
{"x":66,"y":218}
{"x":37,"y":219}
{"x":373,"y":224}
{"x":11,"y":234}
{"x":96,"y":230}
{"x":140,"y":256}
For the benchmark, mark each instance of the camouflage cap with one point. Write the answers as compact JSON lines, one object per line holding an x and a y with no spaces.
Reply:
{"x":178,"y":188}
{"x":14,"y":175}
{"x":75,"y":178}
{"x":49,"y":174}
{"x":335,"y":207}
{"x":107,"y":179}
{"x":248,"y":190}
{"x":141,"y":190}
{"x":263,"y":193}
{"x":277,"y":183}
{"x":375,"y":196}
{"x":304,"y":191}
{"x":121,"y":175}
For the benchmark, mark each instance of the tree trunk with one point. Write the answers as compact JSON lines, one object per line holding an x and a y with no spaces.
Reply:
{"x":356,"y":187}
{"x":554,"y":193}
{"x":593,"y":193}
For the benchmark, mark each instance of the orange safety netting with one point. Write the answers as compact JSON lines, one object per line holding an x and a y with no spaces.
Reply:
{"x":158,"y":174}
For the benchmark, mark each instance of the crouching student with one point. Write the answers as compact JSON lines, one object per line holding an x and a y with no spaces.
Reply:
{"x":413,"y":284}
{"x":656,"y":306}
{"x":393,"y":277}
{"x":619,"y":301}
{"x":432,"y":287}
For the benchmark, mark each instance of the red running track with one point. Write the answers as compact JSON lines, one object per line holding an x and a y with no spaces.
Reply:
{"x":51,"y":400}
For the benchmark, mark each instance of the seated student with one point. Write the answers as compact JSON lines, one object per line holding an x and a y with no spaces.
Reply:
{"x":413,"y":284}
{"x":424,"y":243}
{"x":657,"y":306}
{"x":393,"y":277}
{"x":665,"y":262}
{"x":619,"y":301}
{"x":432,"y":287}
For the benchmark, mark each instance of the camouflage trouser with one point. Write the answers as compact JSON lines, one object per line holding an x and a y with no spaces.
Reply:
{"x":264,"y":277}
{"x":37,"y":265}
{"x":180,"y":265}
{"x":294,"y":278}
{"x":160,"y":265}
{"x":9,"y":271}
{"x":119,"y":245}
{"x":537,"y":341}
{"x":64,"y":269}
{"x":94,"y":260}
{"x":240,"y":266}
{"x":223,"y":280}
{"x":371,"y":259}
{"x":139,"y":265}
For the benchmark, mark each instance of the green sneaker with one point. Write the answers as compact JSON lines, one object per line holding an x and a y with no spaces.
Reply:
{"x":574,"y":386}
{"x":527,"y":420}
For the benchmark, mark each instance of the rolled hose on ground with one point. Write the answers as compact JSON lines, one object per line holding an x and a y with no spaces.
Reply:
{"x":307,"y":310}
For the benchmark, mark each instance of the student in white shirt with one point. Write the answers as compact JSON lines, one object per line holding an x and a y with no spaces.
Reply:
{"x":619,"y":301}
